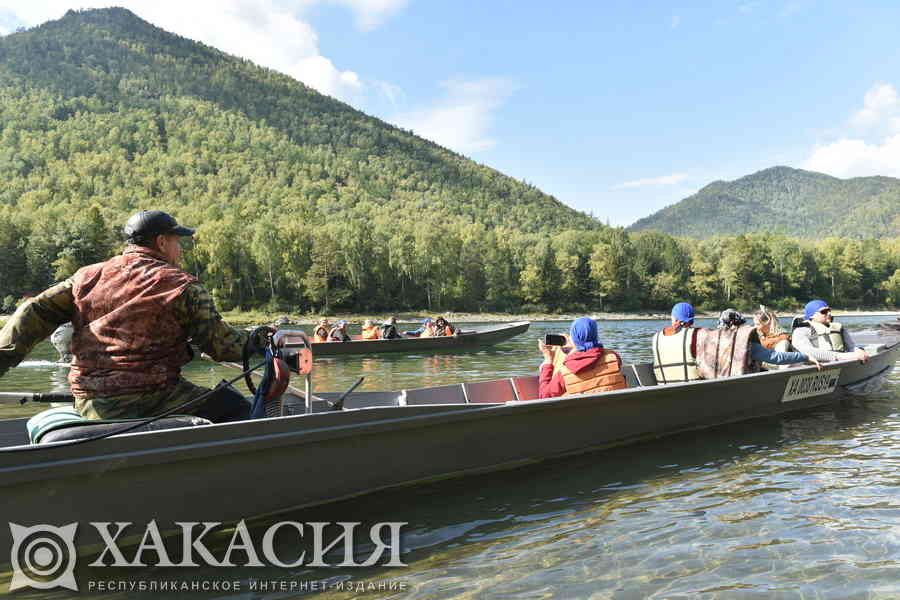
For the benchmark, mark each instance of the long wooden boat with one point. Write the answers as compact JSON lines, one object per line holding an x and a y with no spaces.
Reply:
{"x":480,"y":336}
{"x":382,"y":439}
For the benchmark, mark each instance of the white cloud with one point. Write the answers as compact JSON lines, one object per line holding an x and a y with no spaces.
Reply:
{"x":372,"y":13}
{"x":874,"y":148}
{"x":881,"y":106}
{"x":271,"y":33}
{"x":856,"y":158}
{"x":461,"y":121}
{"x":672,"y":179}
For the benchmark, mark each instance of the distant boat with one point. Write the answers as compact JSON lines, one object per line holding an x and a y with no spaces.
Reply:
{"x":480,"y":336}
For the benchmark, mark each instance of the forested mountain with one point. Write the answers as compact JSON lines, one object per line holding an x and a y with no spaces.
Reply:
{"x":788,"y":201}
{"x":304,"y":204}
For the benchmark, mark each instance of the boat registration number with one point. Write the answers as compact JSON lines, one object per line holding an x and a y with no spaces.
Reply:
{"x":811,"y":384}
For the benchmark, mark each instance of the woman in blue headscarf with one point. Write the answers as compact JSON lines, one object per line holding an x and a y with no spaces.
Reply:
{"x":588,"y":368}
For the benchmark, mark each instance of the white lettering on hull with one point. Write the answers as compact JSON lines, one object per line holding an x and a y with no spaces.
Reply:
{"x":811,"y":384}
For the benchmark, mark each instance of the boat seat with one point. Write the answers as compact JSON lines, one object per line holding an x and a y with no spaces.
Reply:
{"x":526,"y":388}
{"x":445,"y":394}
{"x":489,"y":392}
{"x":641,"y":375}
{"x":64,"y":423}
{"x":295,"y":405}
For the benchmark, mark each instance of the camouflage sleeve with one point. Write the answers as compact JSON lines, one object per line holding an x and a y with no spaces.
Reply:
{"x":196,"y":312}
{"x":33,"y":321}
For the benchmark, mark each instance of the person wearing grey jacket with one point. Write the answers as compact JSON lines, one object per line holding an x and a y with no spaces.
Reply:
{"x":821,"y":338}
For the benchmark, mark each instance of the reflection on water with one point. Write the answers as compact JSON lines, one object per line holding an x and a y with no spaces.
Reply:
{"x":801,"y":506}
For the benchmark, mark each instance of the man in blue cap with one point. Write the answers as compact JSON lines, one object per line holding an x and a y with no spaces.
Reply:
{"x":426,"y":330}
{"x":823,"y":339}
{"x":675,"y":348}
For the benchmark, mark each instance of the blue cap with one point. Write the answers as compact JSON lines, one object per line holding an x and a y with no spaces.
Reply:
{"x":812,"y":307}
{"x":683,"y":312}
{"x":426,"y":321}
{"x":341,"y":323}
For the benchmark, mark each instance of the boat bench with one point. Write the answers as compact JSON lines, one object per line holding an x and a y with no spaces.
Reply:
{"x":480,"y":392}
{"x":64,"y":423}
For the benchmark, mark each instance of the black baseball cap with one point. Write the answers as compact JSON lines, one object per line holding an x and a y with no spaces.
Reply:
{"x":148,"y":224}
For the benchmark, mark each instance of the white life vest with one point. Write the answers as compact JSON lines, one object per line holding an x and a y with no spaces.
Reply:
{"x":827,"y":337}
{"x":673,"y":361}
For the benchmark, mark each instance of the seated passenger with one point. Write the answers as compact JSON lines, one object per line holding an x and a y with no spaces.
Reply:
{"x":442,"y":327}
{"x":320,"y":333}
{"x":771,"y":346}
{"x":819,"y":337}
{"x":675,"y":348}
{"x":588,"y":369}
{"x":733,"y":349}
{"x":426,"y":330}
{"x":339,"y":333}
{"x":389,"y":329}
{"x":369,"y":331}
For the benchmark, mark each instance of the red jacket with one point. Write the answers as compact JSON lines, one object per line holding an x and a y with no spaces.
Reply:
{"x":552,"y":384}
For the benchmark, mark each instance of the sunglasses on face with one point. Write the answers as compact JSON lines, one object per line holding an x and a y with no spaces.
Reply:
{"x":824,"y":311}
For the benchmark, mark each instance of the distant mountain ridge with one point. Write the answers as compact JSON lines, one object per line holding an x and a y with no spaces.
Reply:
{"x":785,"y":200}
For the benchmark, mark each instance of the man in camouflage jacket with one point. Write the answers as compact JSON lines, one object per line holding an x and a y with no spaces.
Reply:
{"x":133,"y":317}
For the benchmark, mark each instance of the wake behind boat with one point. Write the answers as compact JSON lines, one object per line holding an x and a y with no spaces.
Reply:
{"x":480,"y":336}
{"x":381,"y":440}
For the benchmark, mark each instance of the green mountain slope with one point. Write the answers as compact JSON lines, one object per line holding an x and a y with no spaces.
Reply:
{"x":791,"y":201}
{"x":101,"y":107}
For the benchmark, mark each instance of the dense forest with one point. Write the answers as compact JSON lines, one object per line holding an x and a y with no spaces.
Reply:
{"x":304,"y":204}
{"x":787,"y":201}
{"x":380,"y":263}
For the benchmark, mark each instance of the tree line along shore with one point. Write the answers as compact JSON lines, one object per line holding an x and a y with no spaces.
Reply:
{"x":409,"y":264}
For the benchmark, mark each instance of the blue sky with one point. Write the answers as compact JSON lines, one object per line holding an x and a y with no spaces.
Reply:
{"x":615,"y":108}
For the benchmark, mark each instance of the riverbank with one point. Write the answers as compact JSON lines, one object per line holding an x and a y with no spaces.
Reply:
{"x":262,"y":317}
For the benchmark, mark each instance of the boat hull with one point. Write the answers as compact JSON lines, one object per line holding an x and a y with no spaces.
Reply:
{"x":229,"y":472}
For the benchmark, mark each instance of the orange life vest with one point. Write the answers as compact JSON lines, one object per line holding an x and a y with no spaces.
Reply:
{"x":127,"y":339}
{"x":320,"y":334}
{"x":604,"y":376}
{"x":370,"y":333}
{"x":770,"y":341}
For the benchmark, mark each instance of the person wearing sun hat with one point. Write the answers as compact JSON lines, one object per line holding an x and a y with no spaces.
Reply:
{"x":820,"y":337}
{"x":675,"y":348}
{"x":588,"y":368}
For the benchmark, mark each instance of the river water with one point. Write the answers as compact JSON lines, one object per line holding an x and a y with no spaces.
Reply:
{"x":800,"y":506}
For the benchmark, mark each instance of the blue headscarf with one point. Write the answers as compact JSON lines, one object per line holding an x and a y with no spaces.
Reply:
{"x":584,"y":334}
{"x":812,"y":307}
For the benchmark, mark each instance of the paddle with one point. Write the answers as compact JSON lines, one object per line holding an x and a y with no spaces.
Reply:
{"x":23,"y":397}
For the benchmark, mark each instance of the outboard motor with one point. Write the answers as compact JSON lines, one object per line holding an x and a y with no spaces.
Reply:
{"x":287,"y":350}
